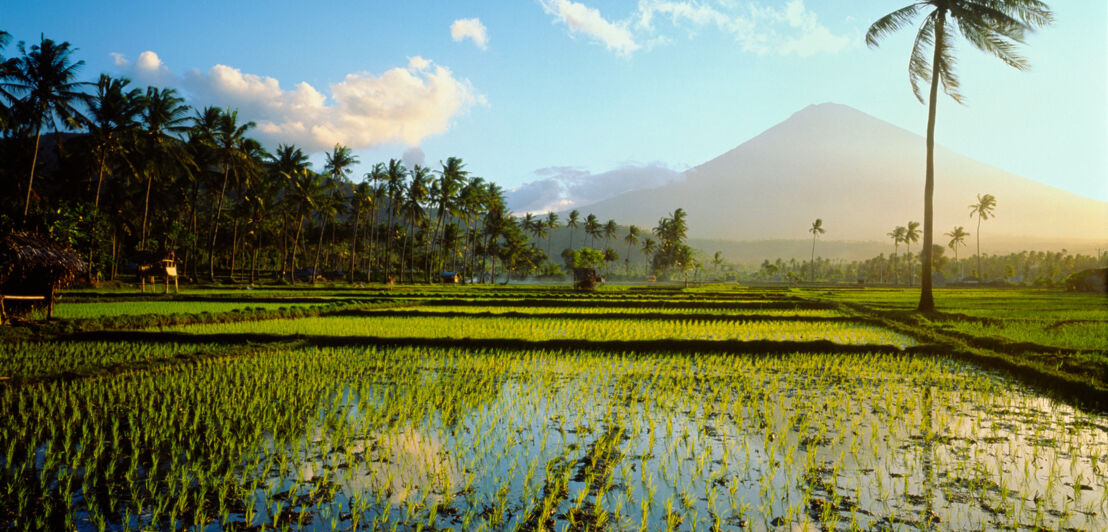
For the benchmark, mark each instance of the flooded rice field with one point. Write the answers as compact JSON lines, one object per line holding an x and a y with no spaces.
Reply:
{"x":432,"y":439}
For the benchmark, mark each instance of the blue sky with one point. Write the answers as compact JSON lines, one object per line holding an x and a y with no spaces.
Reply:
{"x":589,"y":91}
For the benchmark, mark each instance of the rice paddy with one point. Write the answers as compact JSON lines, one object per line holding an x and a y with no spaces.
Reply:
{"x":176,"y":429}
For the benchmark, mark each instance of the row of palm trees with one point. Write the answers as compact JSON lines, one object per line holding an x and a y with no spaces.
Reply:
{"x":196,"y":175}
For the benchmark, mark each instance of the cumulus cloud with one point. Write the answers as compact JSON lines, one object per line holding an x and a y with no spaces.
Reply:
{"x":561,"y":188}
{"x":404,"y":104}
{"x":583,"y":19}
{"x":470,"y":28}
{"x":793,"y":30}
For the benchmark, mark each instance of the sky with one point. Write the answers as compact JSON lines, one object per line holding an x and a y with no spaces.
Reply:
{"x":564,"y":102}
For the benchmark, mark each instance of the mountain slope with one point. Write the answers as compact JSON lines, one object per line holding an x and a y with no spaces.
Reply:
{"x":863,"y":176}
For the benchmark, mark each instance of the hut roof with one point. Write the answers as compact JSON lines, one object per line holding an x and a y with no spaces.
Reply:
{"x":25,"y":255}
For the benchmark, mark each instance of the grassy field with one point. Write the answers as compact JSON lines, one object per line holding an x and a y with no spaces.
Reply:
{"x":532,"y":407}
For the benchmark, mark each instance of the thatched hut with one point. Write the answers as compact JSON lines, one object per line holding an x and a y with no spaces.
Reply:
{"x":32,"y":269}
{"x":586,"y":279}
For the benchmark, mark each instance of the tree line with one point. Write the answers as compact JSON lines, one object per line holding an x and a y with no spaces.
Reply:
{"x":126,"y":174}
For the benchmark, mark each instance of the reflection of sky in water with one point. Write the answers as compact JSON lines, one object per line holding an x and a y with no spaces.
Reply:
{"x":714,"y":440}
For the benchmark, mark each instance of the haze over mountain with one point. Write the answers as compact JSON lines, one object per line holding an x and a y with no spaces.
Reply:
{"x":862,"y":176}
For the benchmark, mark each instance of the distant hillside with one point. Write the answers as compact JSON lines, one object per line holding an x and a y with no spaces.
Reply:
{"x":862,"y":176}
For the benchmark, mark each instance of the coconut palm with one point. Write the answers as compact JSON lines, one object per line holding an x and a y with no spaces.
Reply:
{"x":44,"y":80}
{"x":957,"y":238}
{"x":571,"y":223}
{"x":551,"y":226}
{"x":164,"y":116}
{"x":911,"y":234}
{"x":592,"y":228}
{"x":897,"y":235}
{"x":112,"y":121}
{"x":414,"y":213}
{"x":632,"y":238}
{"x":992,"y":26}
{"x":229,"y":140}
{"x":983,"y":210}
{"x":395,"y":173}
{"x":445,"y":195}
{"x":610,"y":230}
{"x":816,"y":230}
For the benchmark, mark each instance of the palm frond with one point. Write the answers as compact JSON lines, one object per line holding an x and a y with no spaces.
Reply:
{"x":890,"y":23}
{"x":946,"y":64}
{"x":919,"y":67}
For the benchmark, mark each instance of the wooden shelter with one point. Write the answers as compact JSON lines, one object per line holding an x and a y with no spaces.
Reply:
{"x":152,"y":266}
{"x":585,"y":279}
{"x":32,"y":269}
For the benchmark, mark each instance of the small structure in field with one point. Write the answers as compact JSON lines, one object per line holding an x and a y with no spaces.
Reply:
{"x":32,"y":269}
{"x":586,"y":279}
{"x":450,"y":277}
{"x":151,"y":266}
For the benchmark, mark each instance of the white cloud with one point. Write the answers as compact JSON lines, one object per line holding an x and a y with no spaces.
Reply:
{"x":470,"y":28}
{"x":583,"y":19}
{"x":404,"y":104}
{"x":792,"y":30}
{"x":561,"y":188}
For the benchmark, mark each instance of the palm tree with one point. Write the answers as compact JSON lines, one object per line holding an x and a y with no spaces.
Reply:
{"x":395,"y":173}
{"x":816,"y":230}
{"x":288,"y":162}
{"x":571,"y":223}
{"x":551,"y":226}
{"x":992,"y":26}
{"x":112,"y":119}
{"x":361,"y":201}
{"x":897,"y":235}
{"x":911,"y":234}
{"x":414,"y":213}
{"x":592,"y":228}
{"x":632,"y":238}
{"x":45,"y":81}
{"x":164,"y":115}
{"x":649,"y":246}
{"x":610,"y":230}
{"x":983,"y":209}
{"x":957,"y":238}
{"x":445,"y":195}
{"x":717,"y":260}
{"x":229,"y":141}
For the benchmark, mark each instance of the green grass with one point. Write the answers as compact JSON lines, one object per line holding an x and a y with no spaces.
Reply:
{"x":560,"y":329}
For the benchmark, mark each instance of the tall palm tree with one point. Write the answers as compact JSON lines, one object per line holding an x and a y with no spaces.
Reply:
{"x":112,"y":122}
{"x":164,"y":116}
{"x":571,"y":223}
{"x":957,"y":238}
{"x":983,"y":210}
{"x":816,"y":230}
{"x":414,"y":213}
{"x":911,"y":234}
{"x":632,"y":238}
{"x":610,"y":230}
{"x":445,"y":195}
{"x":229,"y":140}
{"x":288,"y":162}
{"x":592,"y":228}
{"x":992,"y":26}
{"x":649,"y":246}
{"x":44,"y":80}
{"x":897,"y":235}
{"x":551,"y":227}
{"x":395,"y":173}
{"x":361,"y":201}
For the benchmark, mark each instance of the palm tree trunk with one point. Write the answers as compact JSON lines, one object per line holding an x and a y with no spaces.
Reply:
{"x":812,"y":273}
{"x":354,"y":244}
{"x":926,"y":300}
{"x":145,"y":211}
{"x":31,"y":179}
{"x":215,"y":225}
{"x":319,"y":247}
{"x":979,"y":275}
{"x":234,"y":248}
{"x":295,"y":244}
